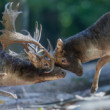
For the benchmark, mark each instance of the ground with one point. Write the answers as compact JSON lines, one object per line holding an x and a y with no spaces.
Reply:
{"x":72,"y":93}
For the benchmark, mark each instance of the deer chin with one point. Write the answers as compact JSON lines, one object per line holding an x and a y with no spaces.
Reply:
{"x":76,"y":70}
{"x":79,"y":73}
{"x":55,"y":76}
{"x":59,"y":73}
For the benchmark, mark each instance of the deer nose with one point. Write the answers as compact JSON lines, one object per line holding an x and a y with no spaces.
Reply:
{"x":80,"y":73}
{"x":63,"y":73}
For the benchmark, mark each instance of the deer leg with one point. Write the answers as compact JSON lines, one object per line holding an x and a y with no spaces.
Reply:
{"x":99,"y":66}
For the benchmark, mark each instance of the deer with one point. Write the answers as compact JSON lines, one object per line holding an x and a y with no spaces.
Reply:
{"x":89,"y":44}
{"x":15,"y":71}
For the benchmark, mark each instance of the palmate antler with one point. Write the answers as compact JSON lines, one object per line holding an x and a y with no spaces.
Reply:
{"x":9,"y":17}
{"x":10,"y":36}
{"x":20,"y":72}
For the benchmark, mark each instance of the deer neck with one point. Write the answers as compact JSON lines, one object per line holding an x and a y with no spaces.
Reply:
{"x":84,"y":46}
{"x":93,"y":42}
{"x":18,"y":72}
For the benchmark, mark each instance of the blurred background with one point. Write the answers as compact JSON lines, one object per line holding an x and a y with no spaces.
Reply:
{"x":59,"y":19}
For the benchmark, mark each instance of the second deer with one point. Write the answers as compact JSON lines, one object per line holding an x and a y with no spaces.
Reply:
{"x":90,"y":44}
{"x":14,"y":71}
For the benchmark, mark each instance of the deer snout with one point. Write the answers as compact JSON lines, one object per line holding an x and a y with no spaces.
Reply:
{"x":63,"y":74}
{"x":60,"y":75}
{"x":80,"y":73}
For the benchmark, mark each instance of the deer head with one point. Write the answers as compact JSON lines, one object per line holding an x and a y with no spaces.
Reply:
{"x":10,"y":36}
{"x":21,"y":72}
{"x":64,"y":59}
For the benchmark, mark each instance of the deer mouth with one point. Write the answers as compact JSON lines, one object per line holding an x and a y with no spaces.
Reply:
{"x":62,"y":74}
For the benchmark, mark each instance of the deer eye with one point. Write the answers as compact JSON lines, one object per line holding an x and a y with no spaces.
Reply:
{"x":64,"y":60}
{"x":46,"y":65}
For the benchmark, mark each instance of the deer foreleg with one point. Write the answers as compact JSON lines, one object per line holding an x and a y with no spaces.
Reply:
{"x":99,"y":66}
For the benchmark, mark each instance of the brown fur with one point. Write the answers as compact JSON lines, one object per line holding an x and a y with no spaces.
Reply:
{"x":90,"y":44}
{"x":20,"y":72}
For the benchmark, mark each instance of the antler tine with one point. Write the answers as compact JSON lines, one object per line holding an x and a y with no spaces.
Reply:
{"x":40,"y":32}
{"x":17,"y":6}
{"x":36,"y":27}
{"x":49,"y":44}
{"x":6,"y":6}
{"x":39,"y":37}
{"x":37,"y":34}
{"x":10,"y":5}
{"x":36,"y":31}
{"x":32,"y":48}
{"x":48,"y":54}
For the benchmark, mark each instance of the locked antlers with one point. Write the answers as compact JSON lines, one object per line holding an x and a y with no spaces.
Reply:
{"x":10,"y":36}
{"x":40,"y":61}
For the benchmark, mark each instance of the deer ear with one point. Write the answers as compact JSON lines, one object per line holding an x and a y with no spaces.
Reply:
{"x":59,"y":45}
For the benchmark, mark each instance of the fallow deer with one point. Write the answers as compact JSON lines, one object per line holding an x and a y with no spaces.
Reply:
{"x":14,"y":71}
{"x":92,"y":43}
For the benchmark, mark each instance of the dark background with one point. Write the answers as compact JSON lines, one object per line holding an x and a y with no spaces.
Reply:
{"x":59,"y":18}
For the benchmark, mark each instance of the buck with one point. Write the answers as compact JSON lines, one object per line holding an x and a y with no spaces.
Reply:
{"x":69,"y":54}
{"x":15,"y":71}
{"x":90,"y":44}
